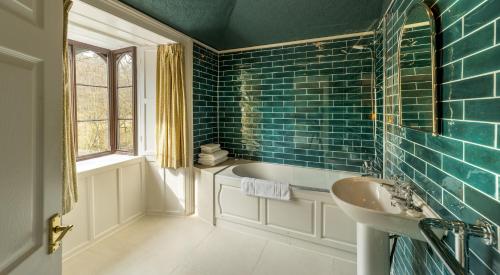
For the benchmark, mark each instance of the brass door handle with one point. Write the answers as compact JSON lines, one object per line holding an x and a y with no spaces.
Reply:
{"x":57,"y":232}
{"x":63,"y":230}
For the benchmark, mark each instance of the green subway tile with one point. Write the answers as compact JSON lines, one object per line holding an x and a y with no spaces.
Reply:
{"x":471,"y":175}
{"x":407,"y":146}
{"x":498,"y":136}
{"x":427,"y":155}
{"x":483,"y":204}
{"x":452,"y":109}
{"x":414,"y":162}
{"x":451,"y":34}
{"x":445,"y":145}
{"x":474,"y":42}
{"x":429,"y":186}
{"x":459,"y":209}
{"x":469,"y":88}
{"x":456,"y":11}
{"x":485,"y":13}
{"x":446,"y":181}
{"x":482,"y":133}
{"x":483,"y":62}
{"x":451,"y":71}
{"x":483,"y":110}
{"x":415,"y":136}
{"x":498,"y":80}
{"x":498,"y":32}
{"x":486,"y":158}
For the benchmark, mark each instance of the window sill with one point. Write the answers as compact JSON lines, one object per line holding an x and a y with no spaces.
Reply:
{"x":109,"y":161}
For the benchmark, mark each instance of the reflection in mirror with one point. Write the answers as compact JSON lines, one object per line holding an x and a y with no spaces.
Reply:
{"x":417,"y":71}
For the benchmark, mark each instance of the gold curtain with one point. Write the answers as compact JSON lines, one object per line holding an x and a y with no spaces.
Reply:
{"x":171,"y":107}
{"x":70,"y":193}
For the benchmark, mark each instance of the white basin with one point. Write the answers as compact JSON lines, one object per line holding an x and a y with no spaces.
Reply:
{"x":367,"y":201}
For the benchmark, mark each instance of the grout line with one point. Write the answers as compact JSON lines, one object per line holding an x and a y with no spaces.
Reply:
{"x":260,"y":257}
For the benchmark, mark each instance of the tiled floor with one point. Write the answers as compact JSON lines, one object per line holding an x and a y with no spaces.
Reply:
{"x":187,"y":245}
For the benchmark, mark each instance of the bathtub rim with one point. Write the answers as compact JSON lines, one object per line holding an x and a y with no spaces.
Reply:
{"x":227,"y":172}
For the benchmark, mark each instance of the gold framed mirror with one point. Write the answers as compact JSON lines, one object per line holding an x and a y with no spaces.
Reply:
{"x":417,"y":70}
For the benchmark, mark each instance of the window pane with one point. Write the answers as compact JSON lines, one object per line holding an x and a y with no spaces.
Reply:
{"x":126,"y":135}
{"x":93,"y":137}
{"x":125,"y":103}
{"x":124,"y":70}
{"x":92,"y":103}
{"x":91,"y":68}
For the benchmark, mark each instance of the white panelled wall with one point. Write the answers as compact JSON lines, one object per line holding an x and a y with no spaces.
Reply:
{"x":165,"y":187}
{"x":110,"y":197}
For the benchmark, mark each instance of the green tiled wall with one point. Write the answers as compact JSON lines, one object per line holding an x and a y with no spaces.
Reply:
{"x":379,"y":95}
{"x":307,"y":104}
{"x":458,"y":171}
{"x":205,"y":76}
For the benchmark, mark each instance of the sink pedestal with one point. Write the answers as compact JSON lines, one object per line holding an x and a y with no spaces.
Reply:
{"x":373,"y":251}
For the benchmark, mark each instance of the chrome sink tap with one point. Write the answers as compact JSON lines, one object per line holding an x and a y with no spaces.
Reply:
{"x":372,"y":169}
{"x":402,"y":194}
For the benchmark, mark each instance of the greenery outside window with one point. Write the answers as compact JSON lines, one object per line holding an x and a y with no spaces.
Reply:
{"x":104,"y":93}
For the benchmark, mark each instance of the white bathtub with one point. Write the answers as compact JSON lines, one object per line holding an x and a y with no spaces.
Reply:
{"x":299,"y":177}
{"x":311,"y":219}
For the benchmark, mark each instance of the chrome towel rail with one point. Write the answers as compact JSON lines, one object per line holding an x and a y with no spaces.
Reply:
{"x":459,"y":263}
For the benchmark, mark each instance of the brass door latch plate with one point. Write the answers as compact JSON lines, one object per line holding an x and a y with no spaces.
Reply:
{"x":56,"y":232}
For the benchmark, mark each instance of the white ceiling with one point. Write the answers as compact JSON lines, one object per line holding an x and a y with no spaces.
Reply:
{"x":90,"y":25}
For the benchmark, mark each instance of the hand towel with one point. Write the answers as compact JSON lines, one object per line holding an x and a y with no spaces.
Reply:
{"x":210,"y":148}
{"x":265,"y":188}
{"x":214,"y":156}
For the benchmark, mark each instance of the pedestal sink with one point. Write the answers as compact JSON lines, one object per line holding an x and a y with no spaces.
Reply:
{"x":368,"y":202}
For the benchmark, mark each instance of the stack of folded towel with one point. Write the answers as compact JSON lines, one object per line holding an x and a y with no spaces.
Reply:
{"x":211,"y":155}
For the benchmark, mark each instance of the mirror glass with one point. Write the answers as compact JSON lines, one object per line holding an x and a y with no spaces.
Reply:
{"x":416,"y":70}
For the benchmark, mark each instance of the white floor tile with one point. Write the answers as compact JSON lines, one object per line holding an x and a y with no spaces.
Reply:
{"x":224,"y":252}
{"x":189,"y":246}
{"x":279,"y":258}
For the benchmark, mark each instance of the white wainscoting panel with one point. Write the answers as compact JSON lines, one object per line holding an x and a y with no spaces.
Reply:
{"x":296,"y":215}
{"x":105,"y":195}
{"x":131,"y":193}
{"x":110,"y":197}
{"x":80,"y":218}
{"x":310,"y":219}
{"x":232,"y":203}
{"x":337,"y":226}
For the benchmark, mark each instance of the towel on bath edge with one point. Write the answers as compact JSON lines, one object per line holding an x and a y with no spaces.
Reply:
{"x":213,"y":156}
{"x":211,"y":162}
{"x":265,"y":188}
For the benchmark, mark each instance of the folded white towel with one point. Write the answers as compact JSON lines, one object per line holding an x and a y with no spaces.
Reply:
{"x":210,"y":148}
{"x":214,"y":156}
{"x":211,"y":163}
{"x":265,"y":188}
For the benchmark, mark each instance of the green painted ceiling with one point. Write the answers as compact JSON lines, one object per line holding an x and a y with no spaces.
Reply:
{"x":229,"y":24}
